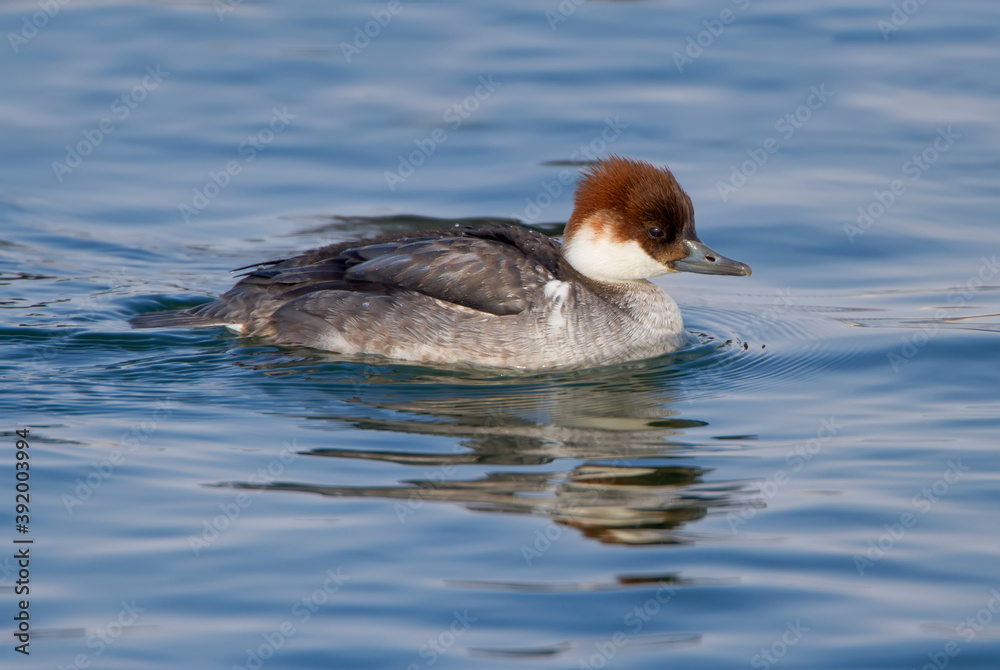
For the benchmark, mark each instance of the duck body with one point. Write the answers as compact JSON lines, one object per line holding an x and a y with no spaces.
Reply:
{"x":496,"y":295}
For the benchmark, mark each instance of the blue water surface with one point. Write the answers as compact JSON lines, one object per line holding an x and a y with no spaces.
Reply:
{"x":812,"y":484}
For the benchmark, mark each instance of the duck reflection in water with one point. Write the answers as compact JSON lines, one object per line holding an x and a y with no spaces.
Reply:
{"x":630,"y":480}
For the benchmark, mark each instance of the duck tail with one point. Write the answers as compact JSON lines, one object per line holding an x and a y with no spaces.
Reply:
{"x":179,"y":318}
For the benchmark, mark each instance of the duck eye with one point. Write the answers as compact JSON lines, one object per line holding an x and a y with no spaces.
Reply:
{"x":655,"y":232}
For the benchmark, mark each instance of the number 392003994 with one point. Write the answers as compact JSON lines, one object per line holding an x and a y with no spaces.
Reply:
{"x":23,"y":484}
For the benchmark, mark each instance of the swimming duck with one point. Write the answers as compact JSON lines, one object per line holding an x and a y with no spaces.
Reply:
{"x":497,"y":295}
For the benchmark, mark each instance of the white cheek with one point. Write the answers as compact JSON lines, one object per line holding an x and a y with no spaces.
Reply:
{"x":605,"y":260}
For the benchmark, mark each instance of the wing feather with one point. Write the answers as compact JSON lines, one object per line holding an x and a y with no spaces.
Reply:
{"x":495,"y":268}
{"x":486,"y":275}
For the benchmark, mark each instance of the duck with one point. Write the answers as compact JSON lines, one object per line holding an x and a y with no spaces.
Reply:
{"x":496,"y":295}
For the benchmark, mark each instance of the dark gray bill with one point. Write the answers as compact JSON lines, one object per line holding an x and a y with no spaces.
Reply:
{"x":704,"y":261}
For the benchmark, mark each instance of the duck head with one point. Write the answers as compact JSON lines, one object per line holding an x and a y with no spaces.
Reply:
{"x":632,"y":221}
